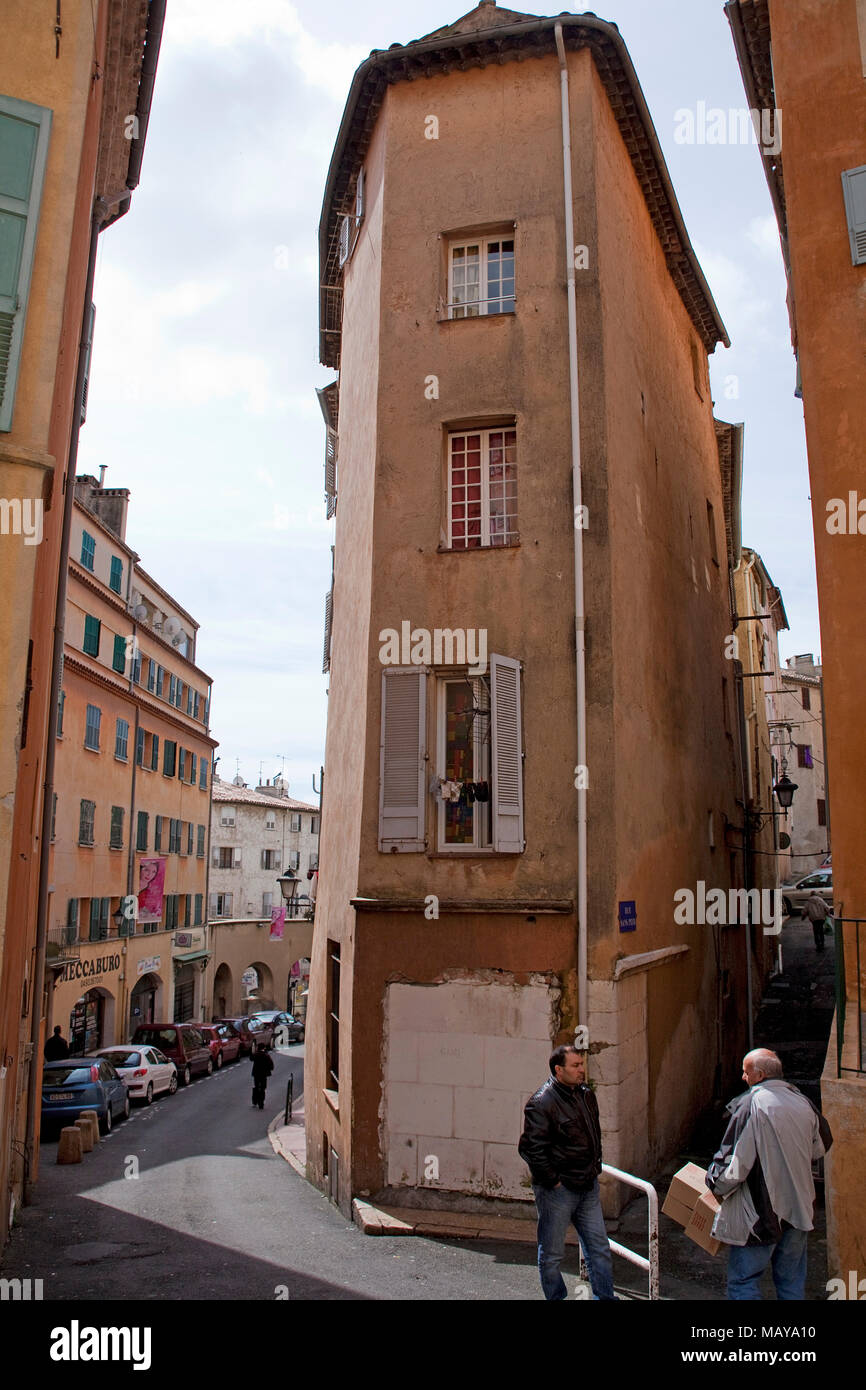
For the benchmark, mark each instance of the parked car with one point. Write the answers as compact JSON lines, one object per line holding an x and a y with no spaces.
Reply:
{"x":291,"y":1028}
{"x":251,"y":1032}
{"x":794,"y":895}
{"x":146,"y":1071}
{"x":182,"y":1043}
{"x":223,"y":1040}
{"x":82,"y":1083}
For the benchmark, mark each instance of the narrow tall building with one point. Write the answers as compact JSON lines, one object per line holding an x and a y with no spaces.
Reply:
{"x":808,"y":62}
{"x":531,"y":706}
{"x":75,"y":97}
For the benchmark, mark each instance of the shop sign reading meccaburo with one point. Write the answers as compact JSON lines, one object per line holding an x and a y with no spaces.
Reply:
{"x":91,"y":967}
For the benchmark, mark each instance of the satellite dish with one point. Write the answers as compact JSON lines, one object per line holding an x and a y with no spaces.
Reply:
{"x":176,"y":641}
{"x":171,"y":626}
{"x":139,"y":612}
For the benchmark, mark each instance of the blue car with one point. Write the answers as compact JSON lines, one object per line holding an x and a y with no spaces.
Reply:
{"x":82,"y":1083}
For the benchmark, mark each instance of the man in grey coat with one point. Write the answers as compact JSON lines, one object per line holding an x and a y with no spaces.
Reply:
{"x":763,"y":1176}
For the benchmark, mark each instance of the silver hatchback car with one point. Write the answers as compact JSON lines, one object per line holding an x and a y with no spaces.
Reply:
{"x":794,"y":895}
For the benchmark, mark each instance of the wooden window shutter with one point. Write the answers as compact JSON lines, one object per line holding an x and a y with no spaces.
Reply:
{"x":88,"y":350}
{"x":331,"y":448}
{"x":402,"y":763}
{"x":329,"y":618}
{"x":854,"y":189}
{"x":507,"y":755}
{"x":359,"y":199}
{"x":345,"y":239}
{"x":24,"y":135}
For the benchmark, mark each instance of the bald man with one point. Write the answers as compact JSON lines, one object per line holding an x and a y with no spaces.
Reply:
{"x":762,"y":1175}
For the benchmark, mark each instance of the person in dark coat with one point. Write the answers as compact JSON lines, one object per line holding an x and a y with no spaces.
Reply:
{"x":561,"y":1143}
{"x":56,"y":1047}
{"x":262,"y":1068}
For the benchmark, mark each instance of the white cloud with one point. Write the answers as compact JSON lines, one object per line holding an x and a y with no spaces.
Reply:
{"x":225,"y":24}
{"x":763,"y":232}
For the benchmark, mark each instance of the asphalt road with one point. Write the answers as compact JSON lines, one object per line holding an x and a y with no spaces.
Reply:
{"x":214,"y":1213}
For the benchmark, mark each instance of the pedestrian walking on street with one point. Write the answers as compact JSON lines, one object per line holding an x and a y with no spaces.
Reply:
{"x":561,"y":1143}
{"x":763,"y":1176}
{"x":56,"y":1047}
{"x":816,"y":911}
{"x":262,"y":1068}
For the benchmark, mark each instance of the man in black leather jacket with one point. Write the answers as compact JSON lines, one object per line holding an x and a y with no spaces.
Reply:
{"x":561,"y":1143}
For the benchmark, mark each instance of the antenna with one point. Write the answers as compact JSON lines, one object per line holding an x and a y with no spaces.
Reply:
{"x":261,"y":765}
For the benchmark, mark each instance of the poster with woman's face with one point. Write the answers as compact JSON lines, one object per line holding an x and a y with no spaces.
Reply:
{"x":151,"y":886}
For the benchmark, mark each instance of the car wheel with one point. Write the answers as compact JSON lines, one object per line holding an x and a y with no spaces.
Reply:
{"x":209,"y":1067}
{"x":219,"y":1060}
{"x":301,"y":1036}
{"x":172,"y":1085}
{"x":187,"y":1075}
{"x":148,"y":1095}
{"x":126,"y":1106}
{"x":105,"y":1122}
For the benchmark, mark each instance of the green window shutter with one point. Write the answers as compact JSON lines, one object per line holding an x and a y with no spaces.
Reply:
{"x":154,"y":753}
{"x":854,"y":189}
{"x":181,"y":764}
{"x":139,"y":747}
{"x":24,"y":134}
{"x":92,"y":630}
{"x":198,"y":906}
{"x":118,"y":661}
{"x":88,"y":350}
{"x":88,"y":550}
{"x":141,"y":838}
{"x":115,"y":579}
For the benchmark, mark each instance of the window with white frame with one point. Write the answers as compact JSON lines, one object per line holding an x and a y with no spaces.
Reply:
{"x":474,"y":747}
{"x":463,"y":759}
{"x":482,"y":488}
{"x":481,"y":277}
{"x":295,"y":821}
{"x":227,"y":815}
{"x":220,"y":904}
{"x":294,"y":860}
{"x":270,"y":859}
{"x":267,"y":903}
{"x":270,"y":820}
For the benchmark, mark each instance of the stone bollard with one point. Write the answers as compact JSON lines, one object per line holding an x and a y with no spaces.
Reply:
{"x":69,"y":1148}
{"x":93,"y":1120}
{"x":85,"y":1128}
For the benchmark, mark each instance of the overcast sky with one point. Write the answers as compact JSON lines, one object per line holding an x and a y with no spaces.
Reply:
{"x":205,"y":362}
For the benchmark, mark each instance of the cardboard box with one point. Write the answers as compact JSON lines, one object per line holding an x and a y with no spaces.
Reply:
{"x":700,"y":1226}
{"x":677,"y":1211}
{"x":687,"y":1186}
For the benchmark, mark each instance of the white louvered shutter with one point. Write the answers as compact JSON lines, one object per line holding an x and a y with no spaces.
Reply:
{"x":331,"y":447}
{"x":854,"y":188}
{"x":402,"y":763}
{"x":507,"y":755}
{"x":359,"y":199}
{"x":346,"y":239}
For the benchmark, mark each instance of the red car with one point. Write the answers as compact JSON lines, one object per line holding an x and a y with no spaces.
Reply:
{"x":223,"y":1040}
{"x":251,"y":1032}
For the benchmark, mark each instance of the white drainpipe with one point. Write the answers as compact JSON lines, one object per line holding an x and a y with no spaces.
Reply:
{"x":579,"y":614}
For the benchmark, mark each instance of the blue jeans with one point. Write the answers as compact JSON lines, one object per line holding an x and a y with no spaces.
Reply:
{"x":746,"y":1264}
{"x":556,"y":1208}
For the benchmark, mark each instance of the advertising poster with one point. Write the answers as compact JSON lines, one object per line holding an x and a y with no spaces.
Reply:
{"x":151,"y":886}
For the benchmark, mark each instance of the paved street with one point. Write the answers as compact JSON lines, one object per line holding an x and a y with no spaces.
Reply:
{"x":214,"y":1213}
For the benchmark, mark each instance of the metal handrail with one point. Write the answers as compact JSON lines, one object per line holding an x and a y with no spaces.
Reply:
{"x":650,"y":1264}
{"x":842,"y":993}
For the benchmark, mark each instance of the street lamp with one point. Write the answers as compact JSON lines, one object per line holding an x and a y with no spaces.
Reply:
{"x":784,"y":790}
{"x":288,"y":887}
